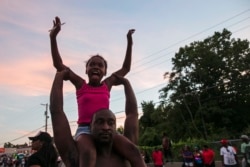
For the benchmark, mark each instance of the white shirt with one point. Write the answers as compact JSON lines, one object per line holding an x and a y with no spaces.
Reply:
{"x":228,"y":155}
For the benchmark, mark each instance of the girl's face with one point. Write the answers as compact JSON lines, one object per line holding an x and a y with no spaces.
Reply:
{"x":95,"y":70}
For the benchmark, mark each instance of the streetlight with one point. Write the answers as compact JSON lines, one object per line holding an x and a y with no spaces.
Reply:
{"x":46,"y":115}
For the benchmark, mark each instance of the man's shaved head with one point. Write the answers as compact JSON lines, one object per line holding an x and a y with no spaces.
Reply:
{"x":103,"y":125}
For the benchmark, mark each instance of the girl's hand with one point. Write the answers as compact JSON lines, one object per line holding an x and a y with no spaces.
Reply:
{"x":129,"y":34}
{"x":56,"y":27}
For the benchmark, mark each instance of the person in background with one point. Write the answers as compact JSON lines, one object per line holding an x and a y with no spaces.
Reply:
{"x":157,"y":157}
{"x":208,"y":156}
{"x":188,"y":157}
{"x":198,"y":161}
{"x":228,"y":155}
{"x":46,"y":154}
{"x":245,"y":150}
{"x":166,"y":146}
{"x":145,"y":156}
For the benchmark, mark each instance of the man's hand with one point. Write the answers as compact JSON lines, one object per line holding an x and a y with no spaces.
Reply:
{"x":119,"y":80}
{"x":56,"y":27}
{"x":64,"y":74}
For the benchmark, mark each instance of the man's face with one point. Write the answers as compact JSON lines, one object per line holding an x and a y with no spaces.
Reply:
{"x":103,"y":126}
{"x":244,"y":140}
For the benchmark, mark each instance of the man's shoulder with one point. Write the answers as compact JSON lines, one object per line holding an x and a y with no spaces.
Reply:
{"x":165,"y":138}
{"x":247,"y":147}
{"x":70,"y":158}
{"x":222,"y":149}
{"x":245,"y":144}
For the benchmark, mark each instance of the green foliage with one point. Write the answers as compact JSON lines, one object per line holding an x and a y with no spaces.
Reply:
{"x":207,"y":95}
{"x":120,"y":129}
{"x":9,"y":145}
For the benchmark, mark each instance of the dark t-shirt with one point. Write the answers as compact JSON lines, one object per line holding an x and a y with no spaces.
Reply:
{"x":36,"y":159}
{"x":189,"y":156}
{"x":166,"y":143}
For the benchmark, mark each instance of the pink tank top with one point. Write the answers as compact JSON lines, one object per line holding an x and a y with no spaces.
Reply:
{"x":91,"y":99}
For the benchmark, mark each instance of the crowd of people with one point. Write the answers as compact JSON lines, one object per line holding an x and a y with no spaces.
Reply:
{"x":198,"y":157}
{"x":13,"y":160}
{"x":190,"y":157}
{"x":230,"y":155}
{"x":45,"y":154}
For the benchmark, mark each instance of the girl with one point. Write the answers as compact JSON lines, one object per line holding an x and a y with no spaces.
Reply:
{"x":93,"y":96}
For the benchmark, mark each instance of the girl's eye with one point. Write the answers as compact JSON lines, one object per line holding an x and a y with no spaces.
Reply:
{"x":101,"y":65}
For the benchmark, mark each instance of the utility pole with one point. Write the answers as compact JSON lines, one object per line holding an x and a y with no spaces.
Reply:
{"x":46,"y":115}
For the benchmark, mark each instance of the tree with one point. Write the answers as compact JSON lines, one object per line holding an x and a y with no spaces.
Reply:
{"x":208,"y":94}
{"x":8,"y":145}
{"x":152,"y":124}
{"x":120,"y":129}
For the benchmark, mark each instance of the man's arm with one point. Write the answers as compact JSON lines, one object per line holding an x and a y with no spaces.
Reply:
{"x":61,"y":129}
{"x":131,"y":126}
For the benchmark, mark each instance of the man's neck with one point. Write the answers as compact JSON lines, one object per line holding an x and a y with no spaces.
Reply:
{"x":104,"y":149}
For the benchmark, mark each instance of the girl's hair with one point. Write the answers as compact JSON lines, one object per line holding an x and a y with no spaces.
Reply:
{"x":99,"y":56}
{"x":48,"y":151}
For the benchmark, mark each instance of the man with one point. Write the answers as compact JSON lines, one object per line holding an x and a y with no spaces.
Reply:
{"x":208,"y":156}
{"x":245,"y":150}
{"x":103,"y":127}
{"x":166,"y":145}
{"x":157,"y":157}
{"x":228,"y":155}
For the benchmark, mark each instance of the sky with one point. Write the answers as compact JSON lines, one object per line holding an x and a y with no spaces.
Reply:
{"x":97,"y":27}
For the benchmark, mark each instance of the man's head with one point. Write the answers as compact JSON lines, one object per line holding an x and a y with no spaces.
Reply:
{"x":103,"y":126}
{"x":244,"y":138}
{"x":205,"y":147}
{"x":224,"y":142}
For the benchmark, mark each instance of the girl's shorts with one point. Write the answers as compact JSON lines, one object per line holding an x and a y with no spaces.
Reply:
{"x":82,"y":130}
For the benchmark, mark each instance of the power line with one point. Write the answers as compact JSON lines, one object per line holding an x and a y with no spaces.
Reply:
{"x":194,"y":35}
{"x":24,"y":135}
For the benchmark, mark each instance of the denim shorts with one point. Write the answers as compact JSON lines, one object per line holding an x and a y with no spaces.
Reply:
{"x":82,"y":130}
